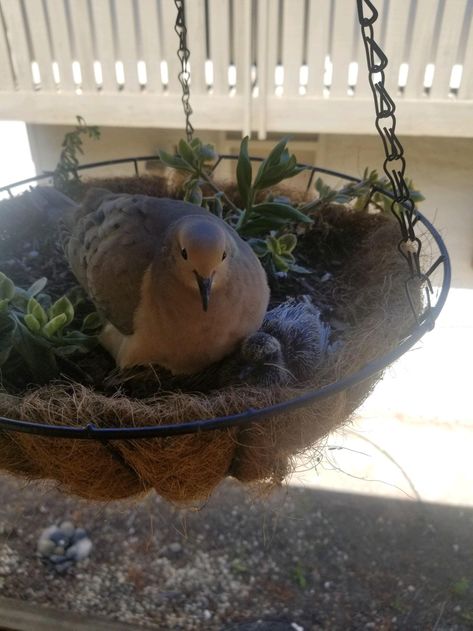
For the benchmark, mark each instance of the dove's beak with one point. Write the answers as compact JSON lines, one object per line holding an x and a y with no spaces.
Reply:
{"x":205,"y":285}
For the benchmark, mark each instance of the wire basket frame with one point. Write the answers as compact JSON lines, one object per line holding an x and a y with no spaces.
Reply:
{"x":424,"y":323}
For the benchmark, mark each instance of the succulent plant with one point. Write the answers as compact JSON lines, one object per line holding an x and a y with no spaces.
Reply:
{"x":36,"y":332}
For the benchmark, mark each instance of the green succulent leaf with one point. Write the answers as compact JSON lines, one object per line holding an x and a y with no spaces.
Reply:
{"x":272,"y":244}
{"x":186,"y":153}
{"x":287,"y":242}
{"x":7,"y":287}
{"x":92,"y":322}
{"x":278,"y":166}
{"x":244,"y":172}
{"x":63,"y":306}
{"x":32,"y":323}
{"x":277,"y":151}
{"x":175,"y":162}
{"x":281,"y":262}
{"x":281,"y":211}
{"x":262,"y":225}
{"x":4,"y":305}
{"x":36,"y":310}
{"x":194,"y":193}
{"x":55,"y":325}
{"x":37,"y":287}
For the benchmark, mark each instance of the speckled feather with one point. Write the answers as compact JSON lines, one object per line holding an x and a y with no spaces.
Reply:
{"x":132,"y":228}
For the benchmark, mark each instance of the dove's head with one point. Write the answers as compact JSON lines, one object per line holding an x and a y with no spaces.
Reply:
{"x":201,"y":252}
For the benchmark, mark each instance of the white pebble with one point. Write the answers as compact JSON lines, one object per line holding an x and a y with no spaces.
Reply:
{"x":79,"y":550}
{"x":47,"y":532}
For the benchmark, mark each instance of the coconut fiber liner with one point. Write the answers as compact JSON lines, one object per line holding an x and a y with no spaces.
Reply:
{"x":366,"y":291}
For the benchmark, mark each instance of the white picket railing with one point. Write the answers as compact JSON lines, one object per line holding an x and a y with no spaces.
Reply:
{"x":265,"y":65}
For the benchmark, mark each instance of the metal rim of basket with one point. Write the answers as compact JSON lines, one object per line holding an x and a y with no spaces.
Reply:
{"x":425,"y":323}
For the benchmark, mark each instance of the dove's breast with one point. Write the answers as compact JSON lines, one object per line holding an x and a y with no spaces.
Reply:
{"x":178,"y":335}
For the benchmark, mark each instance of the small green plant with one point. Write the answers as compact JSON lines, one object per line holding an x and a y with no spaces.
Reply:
{"x":259,"y":218}
{"x":461,"y":587}
{"x":35,"y":332}
{"x":359,"y":192}
{"x":277,"y":253}
{"x":270,"y":223}
{"x":196,"y":160}
{"x":267,"y":223}
{"x":300,"y":577}
{"x":239,"y":566}
{"x":66,"y":168}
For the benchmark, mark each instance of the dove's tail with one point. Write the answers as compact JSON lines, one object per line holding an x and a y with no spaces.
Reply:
{"x":48,"y":200}
{"x":59,"y":208}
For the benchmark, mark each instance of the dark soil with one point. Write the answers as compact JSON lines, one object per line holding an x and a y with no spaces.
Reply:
{"x":317,"y":560}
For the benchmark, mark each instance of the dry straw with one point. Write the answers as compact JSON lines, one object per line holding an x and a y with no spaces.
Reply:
{"x":368,"y":288}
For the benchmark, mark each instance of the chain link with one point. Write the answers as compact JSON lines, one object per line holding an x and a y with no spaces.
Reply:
{"x":184,"y":75}
{"x":394,"y":165}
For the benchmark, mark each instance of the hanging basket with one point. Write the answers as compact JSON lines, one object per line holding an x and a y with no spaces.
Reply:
{"x":182,"y":444}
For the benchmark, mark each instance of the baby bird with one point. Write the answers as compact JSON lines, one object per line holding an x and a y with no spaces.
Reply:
{"x":178,"y":286}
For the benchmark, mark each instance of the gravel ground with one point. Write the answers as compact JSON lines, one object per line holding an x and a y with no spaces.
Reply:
{"x":310,"y":559}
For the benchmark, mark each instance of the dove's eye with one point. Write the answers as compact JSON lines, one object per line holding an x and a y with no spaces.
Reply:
{"x":184,"y":254}
{"x":224,"y":256}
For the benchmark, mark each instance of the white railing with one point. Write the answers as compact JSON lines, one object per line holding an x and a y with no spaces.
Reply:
{"x":265,"y":65}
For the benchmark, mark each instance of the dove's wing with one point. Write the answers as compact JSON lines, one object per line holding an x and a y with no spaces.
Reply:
{"x":114,"y":240}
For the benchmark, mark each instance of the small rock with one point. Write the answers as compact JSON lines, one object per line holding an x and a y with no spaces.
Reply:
{"x":59,"y":551}
{"x":48,"y":532}
{"x":411,"y":588}
{"x":63,"y":567}
{"x":46,"y":547}
{"x":67,"y":528}
{"x":58,"y":538}
{"x":56,"y":558}
{"x":79,"y":534}
{"x":207,"y":614}
{"x":175,"y":547}
{"x":80,"y":550}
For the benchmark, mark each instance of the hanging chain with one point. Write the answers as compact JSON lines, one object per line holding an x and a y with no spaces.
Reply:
{"x":184,"y":75}
{"x":394,"y":165}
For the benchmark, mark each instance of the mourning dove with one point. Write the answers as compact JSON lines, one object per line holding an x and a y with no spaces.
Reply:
{"x":178,"y":286}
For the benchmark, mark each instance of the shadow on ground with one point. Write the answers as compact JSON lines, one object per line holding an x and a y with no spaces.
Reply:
{"x":301,"y":559}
